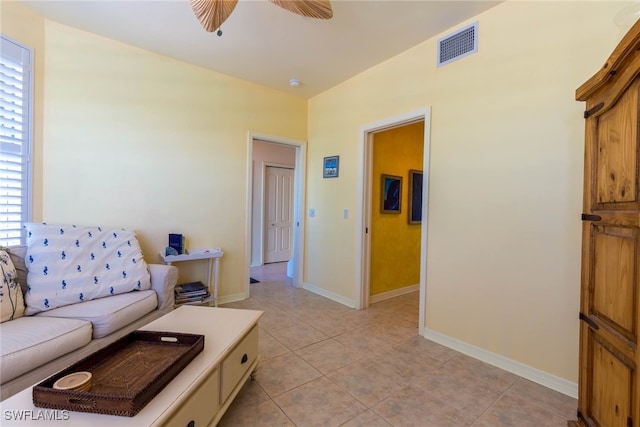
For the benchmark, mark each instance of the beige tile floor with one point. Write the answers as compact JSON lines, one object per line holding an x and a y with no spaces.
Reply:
{"x":324,"y":364}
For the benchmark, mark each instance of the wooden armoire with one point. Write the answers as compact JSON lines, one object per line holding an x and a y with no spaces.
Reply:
{"x":609,"y":382}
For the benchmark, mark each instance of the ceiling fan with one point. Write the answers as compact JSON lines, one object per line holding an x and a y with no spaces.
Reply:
{"x":212,"y":13}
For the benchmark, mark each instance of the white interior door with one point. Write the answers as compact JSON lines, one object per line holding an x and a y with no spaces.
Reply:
{"x":278,"y":227}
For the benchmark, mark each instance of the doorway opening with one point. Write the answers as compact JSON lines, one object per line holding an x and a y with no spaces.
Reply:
{"x":368,"y":133}
{"x":276,"y":168}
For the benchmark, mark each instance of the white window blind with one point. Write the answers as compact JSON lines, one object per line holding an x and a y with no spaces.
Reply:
{"x":15,"y":140}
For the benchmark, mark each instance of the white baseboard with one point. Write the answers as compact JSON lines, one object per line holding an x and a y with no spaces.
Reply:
{"x":533,"y":374}
{"x":392,"y":294}
{"x":328,"y":294}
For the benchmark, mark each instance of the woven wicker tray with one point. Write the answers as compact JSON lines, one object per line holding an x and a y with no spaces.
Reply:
{"x":127,"y":374}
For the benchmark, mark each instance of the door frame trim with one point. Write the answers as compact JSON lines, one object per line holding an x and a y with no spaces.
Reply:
{"x":298,"y":203}
{"x":364,"y":196}
{"x":263,"y":171}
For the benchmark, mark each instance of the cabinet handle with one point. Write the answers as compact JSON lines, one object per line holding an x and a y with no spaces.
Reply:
{"x":593,"y":325}
{"x":244,"y":359}
{"x":593,"y":110}
{"x":589,"y":217}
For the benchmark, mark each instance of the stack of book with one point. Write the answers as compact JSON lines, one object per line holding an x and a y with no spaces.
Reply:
{"x":190,"y":292}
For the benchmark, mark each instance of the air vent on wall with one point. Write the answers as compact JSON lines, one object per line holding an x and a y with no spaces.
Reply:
{"x":457,"y":45}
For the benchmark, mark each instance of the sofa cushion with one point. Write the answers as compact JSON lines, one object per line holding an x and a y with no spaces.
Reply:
{"x":17,"y":254}
{"x":68,"y":264}
{"x":110,"y":313}
{"x":29,"y":342}
{"x":11,"y":302}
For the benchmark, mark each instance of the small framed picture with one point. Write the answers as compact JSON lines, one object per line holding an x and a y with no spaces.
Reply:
{"x":391,"y":194}
{"x":415,"y":196}
{"x":331,"y":167}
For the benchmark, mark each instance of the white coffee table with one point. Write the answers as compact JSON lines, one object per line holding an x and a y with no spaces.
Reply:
{"x":201,"y":393}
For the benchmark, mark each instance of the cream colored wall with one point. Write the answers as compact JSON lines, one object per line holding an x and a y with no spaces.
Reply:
{"x":26,"y":27}
{"x":141,"y":141}
{"x":503,"y":269}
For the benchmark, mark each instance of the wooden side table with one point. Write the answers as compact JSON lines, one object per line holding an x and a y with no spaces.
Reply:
{"x":213,"y":255}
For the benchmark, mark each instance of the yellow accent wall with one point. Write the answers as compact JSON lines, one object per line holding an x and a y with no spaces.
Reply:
{"x":395,"y":244}
{"x":505,"y":191}
{"x":137,"y":140}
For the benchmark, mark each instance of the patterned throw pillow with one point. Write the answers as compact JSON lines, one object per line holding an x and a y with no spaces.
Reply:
{"x":68,"y":264}
{"x":11,"y":301}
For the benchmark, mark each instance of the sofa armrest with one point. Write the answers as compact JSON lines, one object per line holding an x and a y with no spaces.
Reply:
{"x":163,"y":281}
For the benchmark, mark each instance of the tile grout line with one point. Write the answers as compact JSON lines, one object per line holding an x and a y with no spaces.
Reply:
{"x":497,"y":400}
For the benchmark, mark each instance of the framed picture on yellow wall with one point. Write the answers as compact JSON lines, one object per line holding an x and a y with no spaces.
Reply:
{"x":415,"y":197}
{"x":391,"y":197}
{"x":330,"y":167}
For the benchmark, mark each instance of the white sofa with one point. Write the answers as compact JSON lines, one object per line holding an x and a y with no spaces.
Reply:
{"x":35,"y":347}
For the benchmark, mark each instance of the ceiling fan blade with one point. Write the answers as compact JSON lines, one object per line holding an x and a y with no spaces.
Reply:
{"x":212,"y":13}
{"x":320,"y":9}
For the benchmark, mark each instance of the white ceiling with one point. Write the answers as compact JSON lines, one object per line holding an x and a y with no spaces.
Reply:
{"x":264,"y":43}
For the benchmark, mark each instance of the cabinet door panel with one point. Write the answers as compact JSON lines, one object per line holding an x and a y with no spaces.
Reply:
{"x":236,"y":364}
{"x":614,"y":281}
{"x":612,"y":386}
{"x":616,"y":156}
